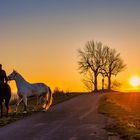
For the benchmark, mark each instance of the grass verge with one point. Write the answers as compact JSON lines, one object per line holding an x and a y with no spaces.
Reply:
{"x":124,"y":109}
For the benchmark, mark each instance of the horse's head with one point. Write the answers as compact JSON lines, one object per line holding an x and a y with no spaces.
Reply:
{"x":12,"y":75}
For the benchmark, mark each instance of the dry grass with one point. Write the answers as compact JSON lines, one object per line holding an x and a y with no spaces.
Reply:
{"x":125,"y":108}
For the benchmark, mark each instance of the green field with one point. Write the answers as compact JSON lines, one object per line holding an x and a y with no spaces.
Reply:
{"x":125,"y":109}
{"x":57,"y":98}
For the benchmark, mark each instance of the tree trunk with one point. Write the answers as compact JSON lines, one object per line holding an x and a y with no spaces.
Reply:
{"x":95,"y":82}
{"x":109,"y":82}
{"x":103,"y":84}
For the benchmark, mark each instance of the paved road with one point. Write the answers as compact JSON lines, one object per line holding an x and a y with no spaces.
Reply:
{"x":76,"y":119}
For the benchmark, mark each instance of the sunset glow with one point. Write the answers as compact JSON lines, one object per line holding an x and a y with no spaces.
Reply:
{"x":135,"y":81}
{"x":40,"y":39}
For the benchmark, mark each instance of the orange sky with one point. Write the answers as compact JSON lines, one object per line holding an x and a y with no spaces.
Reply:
{"x":40,"y":39}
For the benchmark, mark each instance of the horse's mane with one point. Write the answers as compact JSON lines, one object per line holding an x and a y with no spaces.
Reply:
{"x":19,"y":74}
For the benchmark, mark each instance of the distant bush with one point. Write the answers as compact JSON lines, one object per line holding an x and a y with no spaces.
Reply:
{"x":57,"y":90}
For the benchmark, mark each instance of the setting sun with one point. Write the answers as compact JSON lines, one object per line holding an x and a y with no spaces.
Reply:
{"x":135,"y":81}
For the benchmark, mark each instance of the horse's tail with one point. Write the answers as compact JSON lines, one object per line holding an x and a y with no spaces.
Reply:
{"x":49,"y":99}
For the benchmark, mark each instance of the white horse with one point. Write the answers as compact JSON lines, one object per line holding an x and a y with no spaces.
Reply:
{"x":26,"y":89}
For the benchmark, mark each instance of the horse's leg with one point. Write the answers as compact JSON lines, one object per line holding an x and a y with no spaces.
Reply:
{"x":25,"y":104}
{"x":7,"y":107}
{"x":17,"y":104}
{"x":1,"y":108}
{"x":40,"y":100}
{"x":37,"y":102}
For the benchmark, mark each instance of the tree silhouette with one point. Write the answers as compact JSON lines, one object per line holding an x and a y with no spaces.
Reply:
{"x":113,"y":65}
{"x":97,"y":59}
{"x":90,"y":60}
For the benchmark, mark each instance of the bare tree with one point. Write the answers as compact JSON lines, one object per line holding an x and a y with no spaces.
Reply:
{"x":97,"y":59}
{"x":114,"y":65}
{"x":90,"y":60}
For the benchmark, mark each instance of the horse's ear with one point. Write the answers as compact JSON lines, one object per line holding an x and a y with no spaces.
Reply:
{"x":13,"y":70}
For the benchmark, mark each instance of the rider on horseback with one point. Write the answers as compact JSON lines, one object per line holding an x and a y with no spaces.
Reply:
{"x":5,"y":91}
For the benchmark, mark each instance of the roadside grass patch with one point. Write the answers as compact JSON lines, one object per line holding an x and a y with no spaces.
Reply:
{"x":124,"y":109}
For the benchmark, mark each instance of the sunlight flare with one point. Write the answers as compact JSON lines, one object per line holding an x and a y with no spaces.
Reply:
{"x":135,"y":81}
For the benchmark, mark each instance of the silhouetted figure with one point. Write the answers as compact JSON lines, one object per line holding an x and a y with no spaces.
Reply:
{"x":3,"y":78}
{"x":5,"y":91}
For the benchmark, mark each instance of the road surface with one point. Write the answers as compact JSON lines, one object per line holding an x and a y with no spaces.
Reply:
{"x":75,"y":119}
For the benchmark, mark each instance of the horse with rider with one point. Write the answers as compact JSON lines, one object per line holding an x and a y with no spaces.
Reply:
{"x":24,"y":90}
{"x":5,"y":91}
